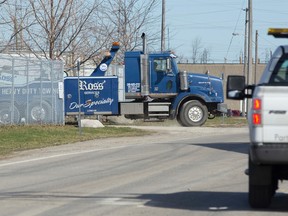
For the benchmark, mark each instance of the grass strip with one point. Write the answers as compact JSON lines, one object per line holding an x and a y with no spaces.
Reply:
{"x":19,"y":138}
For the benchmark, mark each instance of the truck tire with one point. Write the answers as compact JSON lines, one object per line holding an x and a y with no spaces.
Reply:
{"x":260,"y":193}
{"x":6,"y":112}
{"x":39,"y":112}
{"x":180,"y":121}
{"x":259,"y":196}
{"x":192,"y":113}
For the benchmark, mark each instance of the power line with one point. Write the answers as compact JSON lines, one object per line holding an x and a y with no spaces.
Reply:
{"x":234,"y":33}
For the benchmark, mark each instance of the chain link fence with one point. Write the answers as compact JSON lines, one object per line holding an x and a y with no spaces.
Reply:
{"x":31,"y":90}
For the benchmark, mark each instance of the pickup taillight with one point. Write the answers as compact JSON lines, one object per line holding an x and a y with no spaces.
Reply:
{"x":257,"y":104}
{"x":256,"y":118}
{"x":256,"y":112}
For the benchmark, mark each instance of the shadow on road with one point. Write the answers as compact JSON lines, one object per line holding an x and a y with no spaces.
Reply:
{"x":211,"y":201}
{"x":189,"y":200}
{"x":242,"y":148}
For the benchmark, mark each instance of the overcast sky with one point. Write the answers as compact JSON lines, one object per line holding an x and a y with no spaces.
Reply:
{"x":214,"y":22}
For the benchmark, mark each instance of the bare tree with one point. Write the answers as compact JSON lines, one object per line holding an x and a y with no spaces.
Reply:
{"x":65,"y":29}
{"x":199,"y":53}
{"x":205,"y":55}
{"x":196,"y":49}
{"x":2,"y":2}
{"x":13,"y":21}
{"x":182,"y":59}
{"x":78,"y":29}
{"x":57,"y":25}
{"x":128,"y":19}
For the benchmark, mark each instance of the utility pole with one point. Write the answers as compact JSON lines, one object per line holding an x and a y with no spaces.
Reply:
{"x":250,"y":74}
{"x":244,"y":101}
{"x":163,"y":27}
{"x":168,"y":38}
{"x":245,"y":43}
{"x":17,"y":22}
{"x":256,"y":56}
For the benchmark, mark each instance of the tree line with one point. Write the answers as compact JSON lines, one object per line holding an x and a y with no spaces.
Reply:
{"x":75,"y":29}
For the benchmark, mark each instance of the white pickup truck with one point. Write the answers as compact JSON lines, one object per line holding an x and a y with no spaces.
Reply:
{"x":268,"y":125}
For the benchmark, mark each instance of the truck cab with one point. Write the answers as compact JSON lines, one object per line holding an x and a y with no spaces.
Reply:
{"x":156,"y":75}
{"x":268,"y":125}
{"x":154,"y":78}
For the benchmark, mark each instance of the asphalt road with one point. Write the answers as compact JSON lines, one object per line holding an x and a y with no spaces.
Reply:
{"x":176,"y":171}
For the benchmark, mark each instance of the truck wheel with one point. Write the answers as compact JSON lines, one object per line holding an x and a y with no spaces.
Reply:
{"x":260,"y":196}
{"x":260,"y":193}
{"x":192,"y":113}
{"x":181,"y":121}
{"x":6,"y":112}
{"x":39,"y":113}
{"x":181,"y":118}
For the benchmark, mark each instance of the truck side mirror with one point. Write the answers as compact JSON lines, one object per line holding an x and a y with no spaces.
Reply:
{"x":236,"y":87}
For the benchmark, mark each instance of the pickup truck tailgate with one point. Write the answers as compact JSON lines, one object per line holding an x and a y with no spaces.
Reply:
{"x":274,"y":113}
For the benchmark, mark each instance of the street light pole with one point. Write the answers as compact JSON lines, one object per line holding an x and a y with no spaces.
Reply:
{"x":163,"y":27}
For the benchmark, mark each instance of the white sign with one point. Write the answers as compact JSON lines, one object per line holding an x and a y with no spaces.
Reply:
{"x":98,"y":86}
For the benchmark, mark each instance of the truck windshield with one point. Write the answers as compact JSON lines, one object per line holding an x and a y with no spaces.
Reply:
{"x":280,"y":73}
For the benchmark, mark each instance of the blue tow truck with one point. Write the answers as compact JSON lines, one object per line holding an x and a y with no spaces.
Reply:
{"x":154,"y":88}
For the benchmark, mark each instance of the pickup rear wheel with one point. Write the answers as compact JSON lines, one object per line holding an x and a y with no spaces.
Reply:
{"x":261,"y":185}
{"x":192,"y":113}
{"x":259,"y":196}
